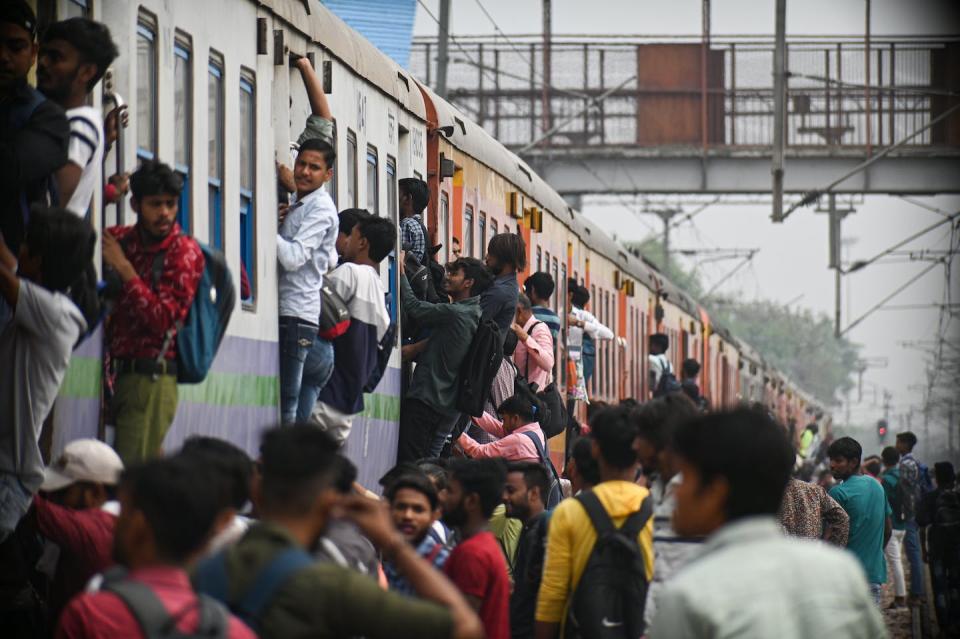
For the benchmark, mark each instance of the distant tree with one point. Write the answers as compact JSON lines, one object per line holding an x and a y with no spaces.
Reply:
{"x":795,"y":341}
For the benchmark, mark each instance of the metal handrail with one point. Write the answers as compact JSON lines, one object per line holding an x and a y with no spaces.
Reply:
{"x":110,"y":95}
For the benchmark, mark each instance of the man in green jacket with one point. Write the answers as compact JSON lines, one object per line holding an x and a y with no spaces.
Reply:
{"x":429,"y":412}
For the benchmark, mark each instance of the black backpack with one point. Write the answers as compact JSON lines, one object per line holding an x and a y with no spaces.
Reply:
{"x":556,"y":490}
{"x":945,"y":532}
{"x":609,"y":599}
{"x":668,"y":383}
{"x":384,"y":350}
{"x":152,"y":615}
{"x":479,"y":368}
{"x":553,"y":414}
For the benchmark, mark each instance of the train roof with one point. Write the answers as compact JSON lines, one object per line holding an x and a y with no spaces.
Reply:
{"x":352,"y":49}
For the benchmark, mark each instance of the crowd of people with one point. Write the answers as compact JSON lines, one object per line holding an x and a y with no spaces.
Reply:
{"x":664,"y":520}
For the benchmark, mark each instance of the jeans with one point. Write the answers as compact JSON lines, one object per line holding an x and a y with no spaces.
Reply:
{"x":317,"y":369}
{"x":15,"y":501}
{"x":420,"y":424}
{"x":443,"y":433}
{"x":296,"y":340}
{"x":895,"y":562}
{"x":875,"y":591}
{"x":912,"y":545}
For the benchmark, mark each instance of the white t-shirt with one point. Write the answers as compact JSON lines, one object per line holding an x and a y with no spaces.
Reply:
{"x":658,"y":365}
{"x":86,"y":151}
{"x":35,"y":347}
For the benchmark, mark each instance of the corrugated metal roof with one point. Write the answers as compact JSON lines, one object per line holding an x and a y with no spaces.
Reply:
{"x":388,"y":24}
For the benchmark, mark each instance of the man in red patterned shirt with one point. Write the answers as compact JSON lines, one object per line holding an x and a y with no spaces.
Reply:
{"x":159,"y":268}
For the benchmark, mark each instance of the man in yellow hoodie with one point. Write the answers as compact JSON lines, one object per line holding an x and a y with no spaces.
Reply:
{"x":571,"y":536}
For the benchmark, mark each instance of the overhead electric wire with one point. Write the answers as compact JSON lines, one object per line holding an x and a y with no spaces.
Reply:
{"x":864,"y":263}
{"x":924,"y":205}
{"x":880,"y":304}
{"x":873,"y":88}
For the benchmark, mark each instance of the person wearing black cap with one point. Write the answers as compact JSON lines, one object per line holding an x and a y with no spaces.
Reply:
{"x":33,"y":130}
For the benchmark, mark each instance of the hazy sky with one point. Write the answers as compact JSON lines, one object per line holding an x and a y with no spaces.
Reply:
{"x":792,"y":264}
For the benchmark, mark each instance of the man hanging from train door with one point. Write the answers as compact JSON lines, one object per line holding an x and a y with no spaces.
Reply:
{"x":306,"y":248}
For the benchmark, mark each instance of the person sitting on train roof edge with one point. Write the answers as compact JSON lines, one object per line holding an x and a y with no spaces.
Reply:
{"x":167,"y":511}
{"x":506,"y":254}
{"x":296,"y":498}
{"x":159,"y":268}
{"x":74,"y":55}
{"x":731,"y":493}
{"x":33,"y":130}
{"x":428,"y":412}
{"x":539,"y":287}
{"x":357,"y":282}
{"x":306,"y":249}
{"x":413,"y":198}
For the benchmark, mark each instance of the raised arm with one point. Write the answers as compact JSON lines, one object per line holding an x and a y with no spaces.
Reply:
{"x":318,"y":99}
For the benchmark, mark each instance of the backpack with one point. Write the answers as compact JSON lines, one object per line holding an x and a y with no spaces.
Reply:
{"x":19,"y":116}
{"x":479,"y":368}
{"x":926,"y":482}
{"x":553,"y":418}
{"x":152,"y":615}
{"x":898,"y":497}
{"x":608,"y":601}
{"x":211,"y":578}
{"x":945,"y":531}
{"x":384,"y":350}
{"x":555,"y":496}
{"x":668,"y":382}
{"x":200,"y":334}
{"x":334,"y":313}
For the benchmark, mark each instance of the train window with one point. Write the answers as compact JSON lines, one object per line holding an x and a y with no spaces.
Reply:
{"x":331,"y":184}
{"x":493,"y":228}
{"x":248,"y":182}
{"x":76,"y":9}
{"x":183,"y":124}
{"x":352,"y":169}
{"x":540,"y":258}
{"x":392,"y":203}
{"x":373,"y":181}
{"x":558,"y":285}
{"x":482,"y":232}
{"x":443,"y":224}
{"x":215,"y":152}
{"x":146,"y":87}
{"x":467,"y":243}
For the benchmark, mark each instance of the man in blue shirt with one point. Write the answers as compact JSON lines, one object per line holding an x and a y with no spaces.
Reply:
{"x":506,"y":254}
{"x":866,"y":504}
{"x":539,"y":287}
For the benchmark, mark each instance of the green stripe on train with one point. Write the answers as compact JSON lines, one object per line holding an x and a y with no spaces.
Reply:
{"x":82,"y":381}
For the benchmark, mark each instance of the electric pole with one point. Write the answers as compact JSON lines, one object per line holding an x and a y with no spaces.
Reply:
{"x":443,"y":45}
{"x":547,"y":71}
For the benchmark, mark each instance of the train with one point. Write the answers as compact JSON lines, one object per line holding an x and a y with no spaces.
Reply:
{"x":212,"y":92}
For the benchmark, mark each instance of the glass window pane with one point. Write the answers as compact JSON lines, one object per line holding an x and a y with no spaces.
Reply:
{"x":372,"y":182}
{"x":146,"y":89}
{"x":247,"y":136}
{"x":351,"y":169}
{"x":468,"y":231}
{"x":392,"y":189}
{"x":483,"y":234}
{"x":215,"y":122}
{"x":182,"y":107}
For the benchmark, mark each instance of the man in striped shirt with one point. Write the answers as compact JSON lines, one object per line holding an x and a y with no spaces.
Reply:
{"x":74,"y":55}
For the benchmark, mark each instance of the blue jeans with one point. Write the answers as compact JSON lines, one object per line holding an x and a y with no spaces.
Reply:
{"x":296,"y":340}
{"x":911,"y":542}
{"x":317,"y":369}
{"x":15,"y":501}
{"x":875,"y":591}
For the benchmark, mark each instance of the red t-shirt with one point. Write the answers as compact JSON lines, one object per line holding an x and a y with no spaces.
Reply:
{"x":477,"y":568}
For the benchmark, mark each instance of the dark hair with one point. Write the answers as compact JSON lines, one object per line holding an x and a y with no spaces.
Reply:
{"x":518,"y":405}
{"x":92,"y":39}
{"x":594,"y":408}
{"x":418,"y":190}
{"x":873,"y":466}
{"x":66,"y":245}
{"x":322,"y":147}
{"x":845,"y":448}
{"x":180,"y":500}
{"x":154,"y":178}
{"x":944,"y":473}
{"x":747,"y":449}
{"x":661,"y":340}
{"x":419,"y":482}
{"x":656,"y":420}
{"x":907,"y":438}
{"x":298,"y":462}
{"x":581,"y":452}
{"x":380,"y":233}
{"x":473,"y":269}
{"x":508,"y":248}
{"x":890,"y":456}
{"x":345,"y":473}
{"x":581,"y":296}
{"x":436,"y":472}
{"x":541,"y":284}
{"x":614,"y":433}
{"x":349,"y":219}
{"x":484,"y":477}
{"x":20,"y":13}
{"x":630,"y":403}
{"x":534,"y":476}
{"x":233,"y":466}
{"x":523,"y":302}
{"x":691,"y":368}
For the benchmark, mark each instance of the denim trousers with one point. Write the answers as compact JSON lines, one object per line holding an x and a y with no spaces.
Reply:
{"x":317,"y":369}
{"x":911,"y":542}
{"x":296,"y":339}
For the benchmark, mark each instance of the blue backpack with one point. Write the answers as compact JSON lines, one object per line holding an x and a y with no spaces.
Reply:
{"x":200,"y":334}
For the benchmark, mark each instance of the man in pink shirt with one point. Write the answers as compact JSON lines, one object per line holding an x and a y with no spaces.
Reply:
{"x":534,"y":353}
{"x":167,"y":511}
{"x":514,"y":433}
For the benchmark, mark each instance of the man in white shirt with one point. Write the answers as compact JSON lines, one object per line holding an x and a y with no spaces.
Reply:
{"x":749,"y":580}
{"x":74,"y":55}
{"x":658,"y":363}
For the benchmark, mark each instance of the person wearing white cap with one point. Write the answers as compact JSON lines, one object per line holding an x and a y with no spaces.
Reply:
{"x":75,"y":512}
